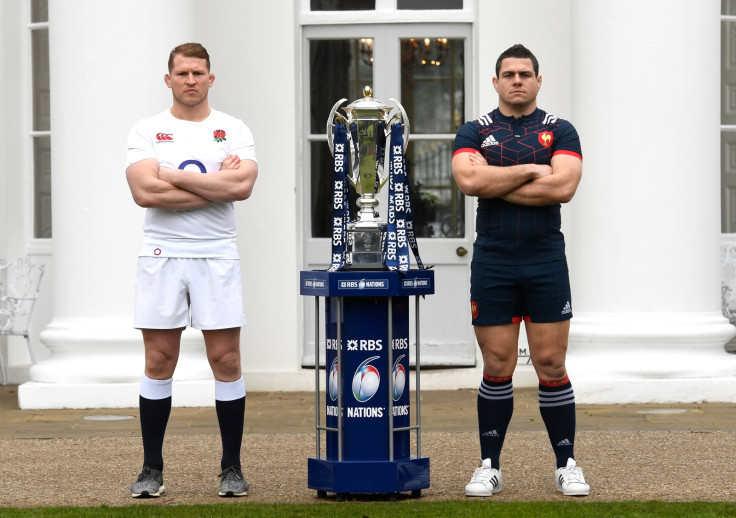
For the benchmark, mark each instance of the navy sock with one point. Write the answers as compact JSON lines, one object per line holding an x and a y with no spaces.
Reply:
{"x":154,"y":418}
{"x":557,"y":406}
{"x":231,"y":418}
{"x":495,"y":407}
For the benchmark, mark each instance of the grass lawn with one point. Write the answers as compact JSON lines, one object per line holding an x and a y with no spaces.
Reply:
{"x":571,"y":509}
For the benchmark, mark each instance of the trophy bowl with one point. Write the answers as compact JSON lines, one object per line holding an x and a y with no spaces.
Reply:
{"x":369,"y":123}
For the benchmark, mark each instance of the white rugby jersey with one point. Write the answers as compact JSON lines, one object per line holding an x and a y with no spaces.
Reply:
{"x":194,"y":146}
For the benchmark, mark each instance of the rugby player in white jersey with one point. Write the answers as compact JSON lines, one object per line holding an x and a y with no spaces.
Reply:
{"x":187,"y":166}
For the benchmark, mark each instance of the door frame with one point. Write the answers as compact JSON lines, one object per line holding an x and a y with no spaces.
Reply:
{"x":387,"y":37}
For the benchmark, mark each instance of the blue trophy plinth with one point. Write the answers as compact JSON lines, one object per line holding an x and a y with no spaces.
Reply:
{"x":367,"y":397}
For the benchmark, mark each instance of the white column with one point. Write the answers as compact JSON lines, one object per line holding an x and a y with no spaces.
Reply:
{"x":644,"y":245}
{"x":107,"y":61}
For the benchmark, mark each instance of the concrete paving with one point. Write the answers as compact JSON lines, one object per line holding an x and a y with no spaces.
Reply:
{"x":677,"y":452}
{"x":294,"y":412}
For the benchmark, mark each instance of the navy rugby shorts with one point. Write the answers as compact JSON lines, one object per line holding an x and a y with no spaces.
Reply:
{"x":502,"y":294}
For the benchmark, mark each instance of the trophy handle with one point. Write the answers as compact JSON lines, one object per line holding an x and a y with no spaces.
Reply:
{"x":404,"y":119}
{"x":331,"y":124}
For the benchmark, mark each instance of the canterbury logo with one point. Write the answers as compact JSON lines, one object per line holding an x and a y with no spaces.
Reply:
{"x":164,"y":136}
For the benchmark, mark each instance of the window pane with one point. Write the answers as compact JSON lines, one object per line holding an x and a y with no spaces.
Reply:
{"x":437,"y":203}
{"x":728,"y":181}
{"x":432,"y":84}
{"x":432,"y":92}
{"x":429,"y":4}
{"x":321,"y":189}
{"x":39,"y":11}
{"x":42,"y":187}
{"x":728,"y":73}
{"x":338,"y":69}
{"x":40,"y":64}
{"x":342,"y":5}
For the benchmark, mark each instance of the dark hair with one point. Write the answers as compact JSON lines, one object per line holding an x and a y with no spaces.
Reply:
{"x":517,"y":51}
{"x":189,"y":50}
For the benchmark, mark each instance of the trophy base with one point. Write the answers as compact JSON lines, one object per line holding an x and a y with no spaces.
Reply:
{"x":365,"y":247}
{"x":364,"y":266}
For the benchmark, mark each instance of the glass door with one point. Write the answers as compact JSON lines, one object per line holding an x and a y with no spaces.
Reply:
{"x":426,"y":68}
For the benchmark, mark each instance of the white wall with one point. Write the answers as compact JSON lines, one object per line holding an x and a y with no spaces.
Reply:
{"x":544,"y":28}
{"x":99,"y":90}
{"x":16,"y":187}
{"x":97,"y":95}
{"x":651,"y":118}
{"x":5,"y":162}
{"x":253,"y":51}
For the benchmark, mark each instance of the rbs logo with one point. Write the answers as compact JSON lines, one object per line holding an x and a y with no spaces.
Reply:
{"x":365,"y":345}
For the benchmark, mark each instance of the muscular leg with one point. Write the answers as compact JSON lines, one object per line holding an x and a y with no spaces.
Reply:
{"x":548,"y":348}
{"x":223,"y":353}
{"x":499,"y":347}
{"x":162,"y":353}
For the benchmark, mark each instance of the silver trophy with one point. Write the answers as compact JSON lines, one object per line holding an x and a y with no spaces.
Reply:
{"x":366,"y":172}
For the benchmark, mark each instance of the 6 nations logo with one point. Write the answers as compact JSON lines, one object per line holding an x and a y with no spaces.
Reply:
{"x":366,"y":380}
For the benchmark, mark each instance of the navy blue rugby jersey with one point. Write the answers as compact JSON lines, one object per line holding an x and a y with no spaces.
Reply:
{"x":508,"y":233}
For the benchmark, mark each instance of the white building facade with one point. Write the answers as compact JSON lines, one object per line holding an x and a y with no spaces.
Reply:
{"x":643,"y":232}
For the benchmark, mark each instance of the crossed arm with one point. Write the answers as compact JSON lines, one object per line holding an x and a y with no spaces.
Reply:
{"x":175,"y":189}
{"x":523,"y":184}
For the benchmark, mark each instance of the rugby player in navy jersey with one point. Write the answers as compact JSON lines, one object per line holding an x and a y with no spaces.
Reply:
{"x":521,"y":163}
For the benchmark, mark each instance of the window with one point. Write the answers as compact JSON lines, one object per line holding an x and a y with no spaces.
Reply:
{"x":342,"y":5}
{"x":433,"y":94}
{"x":429,"y":4}
{"x":348,"y":63}
{"x":423,"y":59}
{"x":431,"y":83}
{"x":370,"y":5}
{"x":41,"y":118}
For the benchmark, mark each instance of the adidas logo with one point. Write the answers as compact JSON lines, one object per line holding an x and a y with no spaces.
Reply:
{"x":490,"y":433}
{"x":567,"y":309}
{"x":564,"y":442}
{"x":484,"y":120}
{"x":489,"y":141}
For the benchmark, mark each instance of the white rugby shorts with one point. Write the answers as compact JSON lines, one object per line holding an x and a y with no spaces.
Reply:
{"x":174,"y":292}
